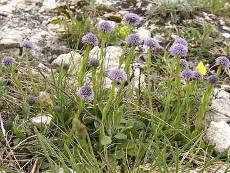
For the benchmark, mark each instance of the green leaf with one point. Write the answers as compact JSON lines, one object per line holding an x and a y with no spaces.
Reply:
{"x":106,"y":140}
{"x":120,"y":136}
{"x":119,"y":154}
{"x":19,"y":133}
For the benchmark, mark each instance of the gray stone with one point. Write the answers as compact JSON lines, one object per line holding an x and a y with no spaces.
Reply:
{"x":220,"y":107}
{"x":221,"y":102}
{"x":218,"y":135}
{"x":226,"y":35}
{"x":143,"y":33}
{"x":226,"y":28}
{"x":112,"y":55}
{"x":40,"y":120}
{"x":49,"y":4}
{"x":10,"y":37}
{"x":71,"y":60}
{"x":23,"y":19}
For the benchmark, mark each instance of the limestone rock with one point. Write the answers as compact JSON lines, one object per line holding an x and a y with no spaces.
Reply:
{"x":221,"y":102}
{"x":70,"y":60}
{"x":143,"y":33}
{"x":10,"y":37}
{"x":41,"y":120}
{"x":220,"y":106}
{"x":112,"y":55}
{"x":226,"y":35}
{"x":138,"y":80}
{"x":218,"y":135}
{"x":49,"y":4}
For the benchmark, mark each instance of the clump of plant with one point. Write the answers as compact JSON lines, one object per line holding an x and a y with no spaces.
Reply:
{"x":176,"y":10}
{"x":120,"y":128}
{"x":217,"y":7}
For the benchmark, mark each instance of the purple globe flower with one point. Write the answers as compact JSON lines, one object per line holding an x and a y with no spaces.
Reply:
{"x":117,"y":75}
{"x":105,"y":26}
{"x":212,"y":79}
{"x":90,"y":38}
{"x":178,"y":50}
{"x":197,"y":75}
{"x":26,"y":43}
{"x":186,"y":63}
{"x":132,"y":18}
{"x":152,"y":44}
{"x":133,"y":39}
{"x":8,"y":60}
{"x":180,"y":40}
{"x":187,"y":74}
{"x":94,"y":62}
{"x":85,"y":93}
{"x":224,"y":61}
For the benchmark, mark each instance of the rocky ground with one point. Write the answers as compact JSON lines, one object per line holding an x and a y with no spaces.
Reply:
{"x":34,"y":19}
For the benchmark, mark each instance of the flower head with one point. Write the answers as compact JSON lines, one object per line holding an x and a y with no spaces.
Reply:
{"x":187,"y":74}
{"x":180,"y":40}
{"x":196,"y":75}
{"x":90,"y":38}
{"x":178,"y":50}
{"x":133,"y":39}
{"x":124,"y":31}
{"x":152,"y":44}
{"x":132,"y":18}
{"x":94,"y":62}
{"x":186,"y":63}
{"x":8,"y":60}
{"x":212,"y":79}
{"x":85,"y":93}
{"x":224,"y":61}
{"x":26,"y":43}
{"x":117,"y":75}
{"x":105,"y":26}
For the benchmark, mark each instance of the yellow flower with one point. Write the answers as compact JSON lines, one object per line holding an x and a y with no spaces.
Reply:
{"x":124,"y":31}
{"x":201,"y":68}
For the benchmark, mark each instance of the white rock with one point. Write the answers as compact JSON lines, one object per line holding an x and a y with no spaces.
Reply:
{"x":49,"y":4}
{"x":95,"y":52}
{"x":139,"y":78}
{"x":221,"y":102}
{"x":71,"y":60}
{"x":222,"y":22}
{"x":41,"y":120}
{"x":226,"y":35}
{"x":226,"y":28}
{"x":220,"y":107}
{"x":112,"y":55}
{"x":11,"y":36}
{"x":111,"y":59}
{"x":143,"y":33}
{"x":39,"y":35}
{"x":218,"y":135}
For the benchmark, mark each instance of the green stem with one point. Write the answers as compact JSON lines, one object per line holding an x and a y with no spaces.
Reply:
{"x":129,"y":61}
{"x":203,"y":108}
{"x":84,"y":66}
